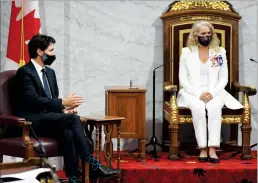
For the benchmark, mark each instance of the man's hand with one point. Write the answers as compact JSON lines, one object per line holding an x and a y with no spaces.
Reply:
{"x":206,"y":97}
{"x":72,"y":101}
{"x":70,"y":111}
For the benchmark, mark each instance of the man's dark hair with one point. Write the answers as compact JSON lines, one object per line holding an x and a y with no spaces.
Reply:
{"x":39,"y":41}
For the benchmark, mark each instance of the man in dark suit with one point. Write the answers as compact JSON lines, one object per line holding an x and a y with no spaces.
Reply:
{"x":38,"y":102}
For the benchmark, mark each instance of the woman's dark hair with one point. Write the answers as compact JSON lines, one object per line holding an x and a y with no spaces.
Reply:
{"x":39,"y":41}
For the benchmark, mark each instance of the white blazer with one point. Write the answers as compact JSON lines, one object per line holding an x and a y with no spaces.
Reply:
{"x":189,"y":78}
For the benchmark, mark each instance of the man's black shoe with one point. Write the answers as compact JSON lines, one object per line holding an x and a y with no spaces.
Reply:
{"x":102,"y":172}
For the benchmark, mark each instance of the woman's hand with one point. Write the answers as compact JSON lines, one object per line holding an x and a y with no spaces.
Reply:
{"x":206,"y":97}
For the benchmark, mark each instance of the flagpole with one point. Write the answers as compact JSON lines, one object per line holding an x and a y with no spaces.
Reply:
{"x":22,"y":61}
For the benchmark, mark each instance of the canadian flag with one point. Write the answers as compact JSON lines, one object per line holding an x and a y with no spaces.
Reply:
{"x":24,"y":23}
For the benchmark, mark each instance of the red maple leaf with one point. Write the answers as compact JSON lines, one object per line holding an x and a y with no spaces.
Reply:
{"x":31,"y":27}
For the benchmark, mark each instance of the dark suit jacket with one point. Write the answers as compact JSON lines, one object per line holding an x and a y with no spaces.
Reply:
{"x":31,"y":97}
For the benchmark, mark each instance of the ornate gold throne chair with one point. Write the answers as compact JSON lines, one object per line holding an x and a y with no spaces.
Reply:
{"x":177,"y":22}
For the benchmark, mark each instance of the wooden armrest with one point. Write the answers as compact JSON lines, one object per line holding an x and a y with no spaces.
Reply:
{"x":249,"y":90}
{"x":169,"y":88}
{"x":13,"y":120}
{"x":25,"y":125}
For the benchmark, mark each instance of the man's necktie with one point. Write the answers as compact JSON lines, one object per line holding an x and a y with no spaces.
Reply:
{"x":45,"y":83}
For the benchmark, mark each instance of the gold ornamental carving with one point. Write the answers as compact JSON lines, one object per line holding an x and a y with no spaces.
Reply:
{"x":194,"y":18}
{"x":227,"y":120}
{"x":247,"y":109}
{"x":208,"y":4}
{"x":174,"y":110}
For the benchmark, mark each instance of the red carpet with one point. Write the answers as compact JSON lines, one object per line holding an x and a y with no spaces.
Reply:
{"x":187,"y":170}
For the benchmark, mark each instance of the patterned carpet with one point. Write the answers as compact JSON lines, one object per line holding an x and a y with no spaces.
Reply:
{"x":186,"y":170}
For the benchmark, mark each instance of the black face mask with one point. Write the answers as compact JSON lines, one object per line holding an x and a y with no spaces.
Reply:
{"x":48,"y":59}
{"x":204,"y":40}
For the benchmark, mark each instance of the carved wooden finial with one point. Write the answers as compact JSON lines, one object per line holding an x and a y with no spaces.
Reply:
{"x":201,"y":4}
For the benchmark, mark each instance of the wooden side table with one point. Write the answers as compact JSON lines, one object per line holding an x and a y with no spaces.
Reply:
{"x":108,"y":122}
{"x":130,"y":103}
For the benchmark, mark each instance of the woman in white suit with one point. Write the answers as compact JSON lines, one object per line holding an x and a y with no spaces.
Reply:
{"x":203,"y":75}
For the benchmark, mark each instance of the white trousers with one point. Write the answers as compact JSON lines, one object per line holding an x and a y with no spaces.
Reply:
{"x":214,"y":109}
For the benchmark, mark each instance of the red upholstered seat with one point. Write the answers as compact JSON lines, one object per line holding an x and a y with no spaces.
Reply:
{"x":15,"y":146}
